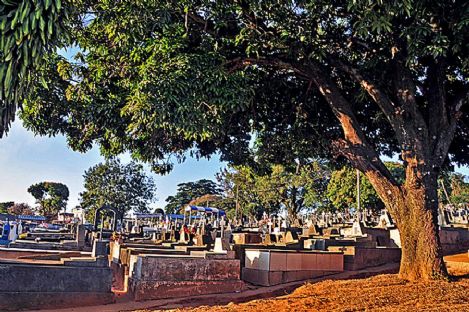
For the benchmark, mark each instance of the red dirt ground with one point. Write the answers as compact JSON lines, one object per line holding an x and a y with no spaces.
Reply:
{"x":383,"y":293}
{"x":379,"y":293}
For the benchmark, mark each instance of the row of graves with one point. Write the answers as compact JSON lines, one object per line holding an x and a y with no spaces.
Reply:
{"x":49,"y":264}
{"x":33,"y":232}
{"x":203,"y":252}
{"x":156,"y":256}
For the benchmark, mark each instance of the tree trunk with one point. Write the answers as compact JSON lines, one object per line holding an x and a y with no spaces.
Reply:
{"x":415,"y":210}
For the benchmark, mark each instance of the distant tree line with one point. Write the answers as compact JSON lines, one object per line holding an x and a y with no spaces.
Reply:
{"x":317,"y":186}
{"x":51,"y":198}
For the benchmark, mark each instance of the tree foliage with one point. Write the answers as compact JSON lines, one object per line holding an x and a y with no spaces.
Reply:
{"x":20,"y":209}
{"x":255,"y":60}
{"x":30,"y":29}
{"x":276,"y":188}
{"x":454,"y":189}
{"x":51,"y":197}
{"x":124,"y":187}
{"x":342,"y":188}
{"x":190,"y":191}
{"x":239,"y":184}
{"x":459,"y":190}
{"x":5,"y":205}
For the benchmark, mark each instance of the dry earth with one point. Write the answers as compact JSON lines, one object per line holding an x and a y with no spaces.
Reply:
{"x":379,"y":293}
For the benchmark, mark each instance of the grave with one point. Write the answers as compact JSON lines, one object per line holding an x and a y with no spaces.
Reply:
{"x":247,"y":238}
{"x":357,"y":257}
{"x":51,"y":279}
{"x":271,"y":267}
{"x":164,"y":276}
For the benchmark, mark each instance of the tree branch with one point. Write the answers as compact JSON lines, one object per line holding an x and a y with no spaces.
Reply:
{"x":354,"y":146}
{"x":405,"y":92}
{"x":364,"y":156}
{"x":446,"y":135}
{"x":381,"y":99}
{"x":205,"y":25}
{"x":241,"y":62}
{"x":436,"y":97}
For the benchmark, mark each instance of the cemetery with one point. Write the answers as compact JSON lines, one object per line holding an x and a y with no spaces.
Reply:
{"x":154,"y":257}
{"x":237,"y":155}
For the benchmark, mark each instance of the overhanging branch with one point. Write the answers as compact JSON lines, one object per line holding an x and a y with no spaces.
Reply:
{"x":446,"y":135}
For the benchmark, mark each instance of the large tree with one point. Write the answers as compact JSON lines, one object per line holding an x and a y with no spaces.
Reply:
{"x":51,"y":197}
{"x":348,"y":78}
{"x":188,"y":192}
{"x":124,"y":187}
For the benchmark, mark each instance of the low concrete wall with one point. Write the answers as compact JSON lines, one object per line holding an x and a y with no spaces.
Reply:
{"x":16,"y":301}
{"x":24,"y":278}
{"x":39,"y":286}
{"x":17,"y":253}
{"x":241,"y":249}
{"x":272,"y":267}
{"x":453,"y":239}
{"x":270,"y":278}
{"x":155,"y":277}
{"x":357,"y":258}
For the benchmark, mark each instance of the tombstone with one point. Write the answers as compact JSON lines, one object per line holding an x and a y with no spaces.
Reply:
{"x":172,"y":236}
{"x":313,"y":230}
{"x":267,"y":239}
{"x":229,"y":228}
{"x":340,"y":217}
{"x":182,"y":236}
{"x":284,"y":224}
{"x":5,"y":234}
{"x":222,"y":245}
{"x":19,"y":229}
{"x":357,"y":229}
{"x":163,"y":233}
{"x":80,"y":236}
{"x":13,"y":232}
{"x":100,"y":248}
{"x":309,"y":243}
{"x":447,"y":217}
{"x":320,"y":244}
{"x":331,"y":231}
{"x":198,"y":240}
{"x":290,"y":237}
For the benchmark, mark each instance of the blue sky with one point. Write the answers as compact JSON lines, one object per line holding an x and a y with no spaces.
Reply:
{"x":26,"y":159}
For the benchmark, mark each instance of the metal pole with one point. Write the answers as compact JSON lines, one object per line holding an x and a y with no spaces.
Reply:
{"x":358,"y":192}
{"x":237,"y":202}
